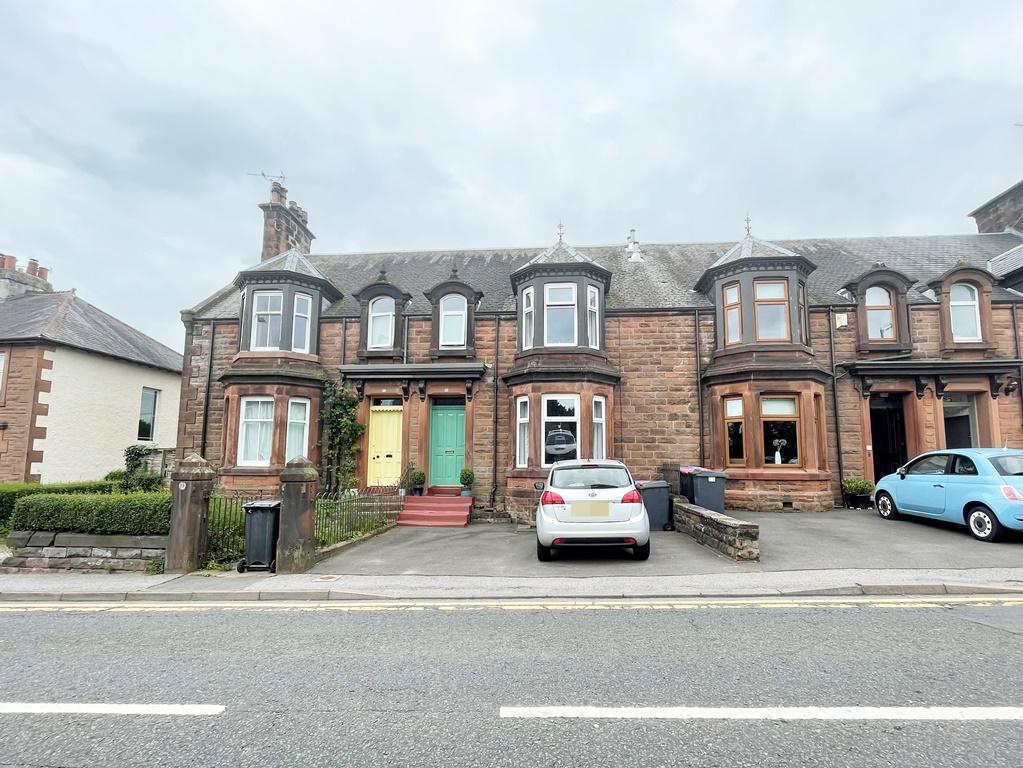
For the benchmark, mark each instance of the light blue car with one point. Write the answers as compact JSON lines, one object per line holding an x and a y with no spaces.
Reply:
{"x":981,"y":488}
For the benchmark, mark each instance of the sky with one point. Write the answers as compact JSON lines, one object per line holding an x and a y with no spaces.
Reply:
{"x":129,"y":131}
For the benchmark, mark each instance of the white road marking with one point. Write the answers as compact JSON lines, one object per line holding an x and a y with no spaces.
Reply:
{"x":767,"y":713}
{"x":40,"y":708}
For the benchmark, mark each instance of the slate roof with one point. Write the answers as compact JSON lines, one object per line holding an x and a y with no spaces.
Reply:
{"x":290,"y":261}
{"x":665,"y":278}
{"x":64,"y":318}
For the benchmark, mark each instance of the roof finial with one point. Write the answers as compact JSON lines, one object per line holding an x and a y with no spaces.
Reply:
{"x":561,"y":231}
{"x":382,"y":277}
{"x":747,"y":225}
{"x":454,"y":269}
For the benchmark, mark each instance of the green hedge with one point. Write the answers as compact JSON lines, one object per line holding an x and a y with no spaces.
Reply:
{"x":137,"y":514}
{"x":11,"y":492}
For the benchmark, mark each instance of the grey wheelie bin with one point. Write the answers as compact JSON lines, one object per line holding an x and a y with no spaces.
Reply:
{"x":262,"y":527}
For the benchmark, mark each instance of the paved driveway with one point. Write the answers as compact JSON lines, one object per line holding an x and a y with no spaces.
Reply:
{"x":789,"y":542}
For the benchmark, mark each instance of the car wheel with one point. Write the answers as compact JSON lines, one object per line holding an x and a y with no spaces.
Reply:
{"x":886,"y":506}
{"x":983,"y":524}
{"x":641,"y":552}
{"x":543,"y":554}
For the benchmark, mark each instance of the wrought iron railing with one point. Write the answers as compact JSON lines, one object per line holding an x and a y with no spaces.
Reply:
{"x":224,"y":531}
{"x":345,"y":515}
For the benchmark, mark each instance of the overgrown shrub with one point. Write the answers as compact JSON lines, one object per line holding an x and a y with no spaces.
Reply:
{"x":136,"y":514}
{"x":11,"y":492}
{"x":115,"y":475}
{"x":141,"y":482}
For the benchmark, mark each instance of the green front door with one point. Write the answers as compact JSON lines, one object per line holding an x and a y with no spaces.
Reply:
{"x":447,"y":444}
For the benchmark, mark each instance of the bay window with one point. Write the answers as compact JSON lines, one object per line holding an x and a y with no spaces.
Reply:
{"x":771,"y":303}
{"x":301,"y":325}
{"x":453,"y":311}
{"x":735,"y":439}
{"x":560,"y":428}
{"x":267,"y":309}
{"x":964,"y":307}
{"x":527,"y":318}
{"x":732,"y":314}
{"x":880,"y":306}
{"x":381,"y":323}
{"x":522,"y":432}
{"x":255,"y":437}
{"x":599,"y":428}
{"x":559,"y":322}
{"x":297,"y":439}
{"x":593,"y":317}
{"x":779,"y":418}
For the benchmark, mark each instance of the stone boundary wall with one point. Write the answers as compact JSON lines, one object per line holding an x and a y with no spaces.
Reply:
{"x":733,"y":538}
{"x":83,"y":551}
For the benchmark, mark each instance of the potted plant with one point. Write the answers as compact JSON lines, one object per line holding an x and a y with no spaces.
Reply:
{"x":856,"y":491}
{"x":418,"y":482}
{"x":467,"y":478}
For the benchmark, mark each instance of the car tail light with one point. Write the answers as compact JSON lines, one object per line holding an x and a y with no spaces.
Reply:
{"x":630,"y":541}
{"x":1011,"y":494}
{"x":549,"y":497}
{"x":632,"y":497}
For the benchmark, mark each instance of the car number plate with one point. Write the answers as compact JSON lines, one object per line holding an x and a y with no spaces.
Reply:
{"x":590,"y":509}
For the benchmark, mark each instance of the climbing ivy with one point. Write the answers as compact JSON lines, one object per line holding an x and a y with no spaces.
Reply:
{"x":340,"y":435}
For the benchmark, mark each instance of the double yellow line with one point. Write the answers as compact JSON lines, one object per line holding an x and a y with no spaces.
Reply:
{"x":577,"y":604}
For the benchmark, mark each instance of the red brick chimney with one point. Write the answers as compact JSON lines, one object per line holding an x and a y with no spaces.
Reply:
{"x":285,"y":225}
{"x":14,"y":282}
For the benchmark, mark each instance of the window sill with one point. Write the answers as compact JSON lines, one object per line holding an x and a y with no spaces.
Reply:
{"x":276,"y":354}
{"x":246,"y":470}
{"x":883,"y":346}
{"x":465,"y":352}
{"x":782,"y":472}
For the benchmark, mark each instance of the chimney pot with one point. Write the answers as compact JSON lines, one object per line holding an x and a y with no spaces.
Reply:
{"x":278,"y":193}
{"x":8,"y":262}
{"x":33,"y":267}
{"x":43,"y":273}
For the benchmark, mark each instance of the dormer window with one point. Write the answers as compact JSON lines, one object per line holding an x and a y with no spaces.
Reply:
{"x":381,"y":323}
{"x":267,"y":311}
{"x":880,"y":306}
{"x":771,"y":303}
{"x":560,"y":315}
{"x":301,"y":324}
{"x":453,"y":312}
{"x":527,"y":318}
{"x":733,"y":314}
{"x":964,"y":308}
{"x":593,"y":316}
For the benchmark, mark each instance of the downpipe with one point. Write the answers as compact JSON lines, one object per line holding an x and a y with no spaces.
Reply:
{"x":493,"y":448}
{"x":834,"y":392}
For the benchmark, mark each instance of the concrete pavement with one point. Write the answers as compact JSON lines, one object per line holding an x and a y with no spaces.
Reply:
{"x":315,"y":687}
{"x":839,"y":552}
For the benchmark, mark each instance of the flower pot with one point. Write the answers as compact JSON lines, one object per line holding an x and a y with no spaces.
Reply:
{"x":861,"y":500}
{"x":417,"y":491}
{"x":466,"y":491}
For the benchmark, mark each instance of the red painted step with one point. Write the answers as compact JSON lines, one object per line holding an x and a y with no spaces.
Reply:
{"x":448,"y":511}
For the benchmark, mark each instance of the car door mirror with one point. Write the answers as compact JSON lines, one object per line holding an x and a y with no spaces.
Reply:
{"x":902,"y":473}
{"x":539,"y":486}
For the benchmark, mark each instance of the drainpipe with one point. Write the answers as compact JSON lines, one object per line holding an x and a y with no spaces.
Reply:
{"x":834,"y":391}
{"x":209,"y":387}
{"x":699,"y":383}
{"x":344,"y":339}
{"x":497,"y":366}
{"x":404,"y":346}
{"x":1015,"y":335}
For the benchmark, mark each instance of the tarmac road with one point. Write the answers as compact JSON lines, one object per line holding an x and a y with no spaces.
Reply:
{"x":363,"y":684}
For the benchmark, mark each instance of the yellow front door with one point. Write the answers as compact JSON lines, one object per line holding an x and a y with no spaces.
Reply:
{"x":384,"y":466}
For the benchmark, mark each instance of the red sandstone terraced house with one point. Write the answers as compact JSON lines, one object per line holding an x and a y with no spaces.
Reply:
{"x":789,"y":364}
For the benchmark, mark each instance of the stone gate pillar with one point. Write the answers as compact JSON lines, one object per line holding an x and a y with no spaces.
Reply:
{"x":296,"y":545}
{"x":191,"y":483}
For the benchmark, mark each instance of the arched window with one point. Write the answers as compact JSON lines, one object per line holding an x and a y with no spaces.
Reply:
{"x":964,"y":306}
{"x":381,"y":323}
{"x":453,"y":310}
{"x":880,"y":304}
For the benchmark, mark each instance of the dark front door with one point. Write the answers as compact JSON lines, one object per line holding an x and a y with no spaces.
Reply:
{"x":888,"y":434}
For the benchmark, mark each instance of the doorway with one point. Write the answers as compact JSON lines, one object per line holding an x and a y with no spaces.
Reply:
{"x":384,"y":465}
{"x":447,"y":440}
{"x":888,"y":432}
{"x":960,"y":420}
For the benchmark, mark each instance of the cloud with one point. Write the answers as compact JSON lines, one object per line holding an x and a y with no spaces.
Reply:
{"x":127,"y":129}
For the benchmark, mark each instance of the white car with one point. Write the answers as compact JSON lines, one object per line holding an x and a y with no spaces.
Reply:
{"x":591,"y":503}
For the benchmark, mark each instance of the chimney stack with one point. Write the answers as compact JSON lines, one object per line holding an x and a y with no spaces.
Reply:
{"x":285,"y":225}
{"x":14,"y":282}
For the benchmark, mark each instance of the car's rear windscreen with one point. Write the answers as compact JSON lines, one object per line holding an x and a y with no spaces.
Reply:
{"x":596,"y":476}
{"x":1008,"y":466}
